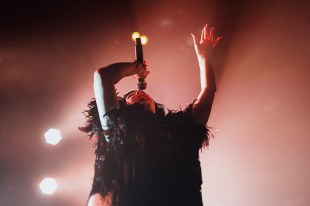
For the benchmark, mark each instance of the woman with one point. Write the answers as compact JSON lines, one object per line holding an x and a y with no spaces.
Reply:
{"x":144,"y":156}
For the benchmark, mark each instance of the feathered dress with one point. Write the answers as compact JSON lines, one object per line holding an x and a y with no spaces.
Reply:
{"x":147,"y":159}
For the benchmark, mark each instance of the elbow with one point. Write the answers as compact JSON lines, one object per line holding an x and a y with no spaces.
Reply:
{"x":102,"y":72}
{"x":97,"y":74}
{"x":210,"y":89}
{"x":104,"y":75}
{"x":213,"y":89}
{"x":97,"y":77}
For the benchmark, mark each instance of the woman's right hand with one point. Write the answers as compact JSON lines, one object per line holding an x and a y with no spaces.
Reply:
{"x":141,"y":70}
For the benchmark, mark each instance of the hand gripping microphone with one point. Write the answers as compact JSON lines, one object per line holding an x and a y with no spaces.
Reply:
{"x":141,"y":84}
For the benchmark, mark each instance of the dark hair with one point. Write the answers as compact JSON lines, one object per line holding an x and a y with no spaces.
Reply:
{"x":93,"y":125}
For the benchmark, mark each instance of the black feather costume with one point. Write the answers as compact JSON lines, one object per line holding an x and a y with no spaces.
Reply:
{"x":145,"y":158}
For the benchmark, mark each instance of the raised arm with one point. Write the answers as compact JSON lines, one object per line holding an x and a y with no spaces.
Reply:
{"x":202,"y":107}
{"x":104,"y":80}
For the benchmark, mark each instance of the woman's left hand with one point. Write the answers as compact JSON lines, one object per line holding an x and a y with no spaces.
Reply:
{"x":203,"y":47}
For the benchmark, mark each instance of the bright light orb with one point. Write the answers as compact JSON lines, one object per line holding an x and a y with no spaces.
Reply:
{"x":135,"y":35}
{"x":52,"y":136}
{"x":48,"y":186}
{"x":144,"y":40}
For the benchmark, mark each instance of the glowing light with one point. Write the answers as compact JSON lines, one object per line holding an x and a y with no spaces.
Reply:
{"x":135,"y":35}
{"x":144,"y":40}
{"x":48,"y":186}
{"x":52,"y":136}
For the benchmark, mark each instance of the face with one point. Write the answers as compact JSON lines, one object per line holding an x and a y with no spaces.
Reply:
{"x":142,"y":98}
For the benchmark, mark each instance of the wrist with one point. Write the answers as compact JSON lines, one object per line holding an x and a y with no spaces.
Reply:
{"x":128,"y":71}
{"x":203,"y":63}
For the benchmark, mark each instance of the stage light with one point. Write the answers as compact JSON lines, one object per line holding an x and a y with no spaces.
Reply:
{"x":52,"y":136}
{"x":144,"y":40}
{"x":135,"y":35}
{"x":48,"y":186}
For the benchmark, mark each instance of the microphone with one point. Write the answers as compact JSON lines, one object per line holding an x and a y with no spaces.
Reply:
{"x":141,"y":84}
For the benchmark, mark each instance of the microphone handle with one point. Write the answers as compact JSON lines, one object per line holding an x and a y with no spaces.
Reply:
{"x":141,"y":84}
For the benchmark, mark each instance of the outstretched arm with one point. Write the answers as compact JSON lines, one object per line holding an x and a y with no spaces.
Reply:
{"x":202,"y":107}
{"x":104,"y":80}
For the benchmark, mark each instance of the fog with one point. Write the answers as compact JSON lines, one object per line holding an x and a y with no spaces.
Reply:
{"x":259,"y":155}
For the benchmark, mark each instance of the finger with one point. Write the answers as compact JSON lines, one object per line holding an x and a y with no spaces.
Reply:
{"x":217,"y":41}
{"x":202,"y":35}
{"x":194,"y":39}
{"x":206,"y":32}
{"x":145,"y":74}
{"x":211,"y":34}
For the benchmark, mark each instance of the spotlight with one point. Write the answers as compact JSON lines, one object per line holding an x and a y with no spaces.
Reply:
{"x":52,"y":136}
{"x":48,"y":186}
{"x":144,"y":40}
{"x":135,"y":35}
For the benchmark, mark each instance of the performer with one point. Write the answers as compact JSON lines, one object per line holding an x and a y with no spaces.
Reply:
{"x":144,"y":156}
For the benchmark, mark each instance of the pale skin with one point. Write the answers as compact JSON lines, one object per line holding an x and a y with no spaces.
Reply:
{"x":106,"y":97}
